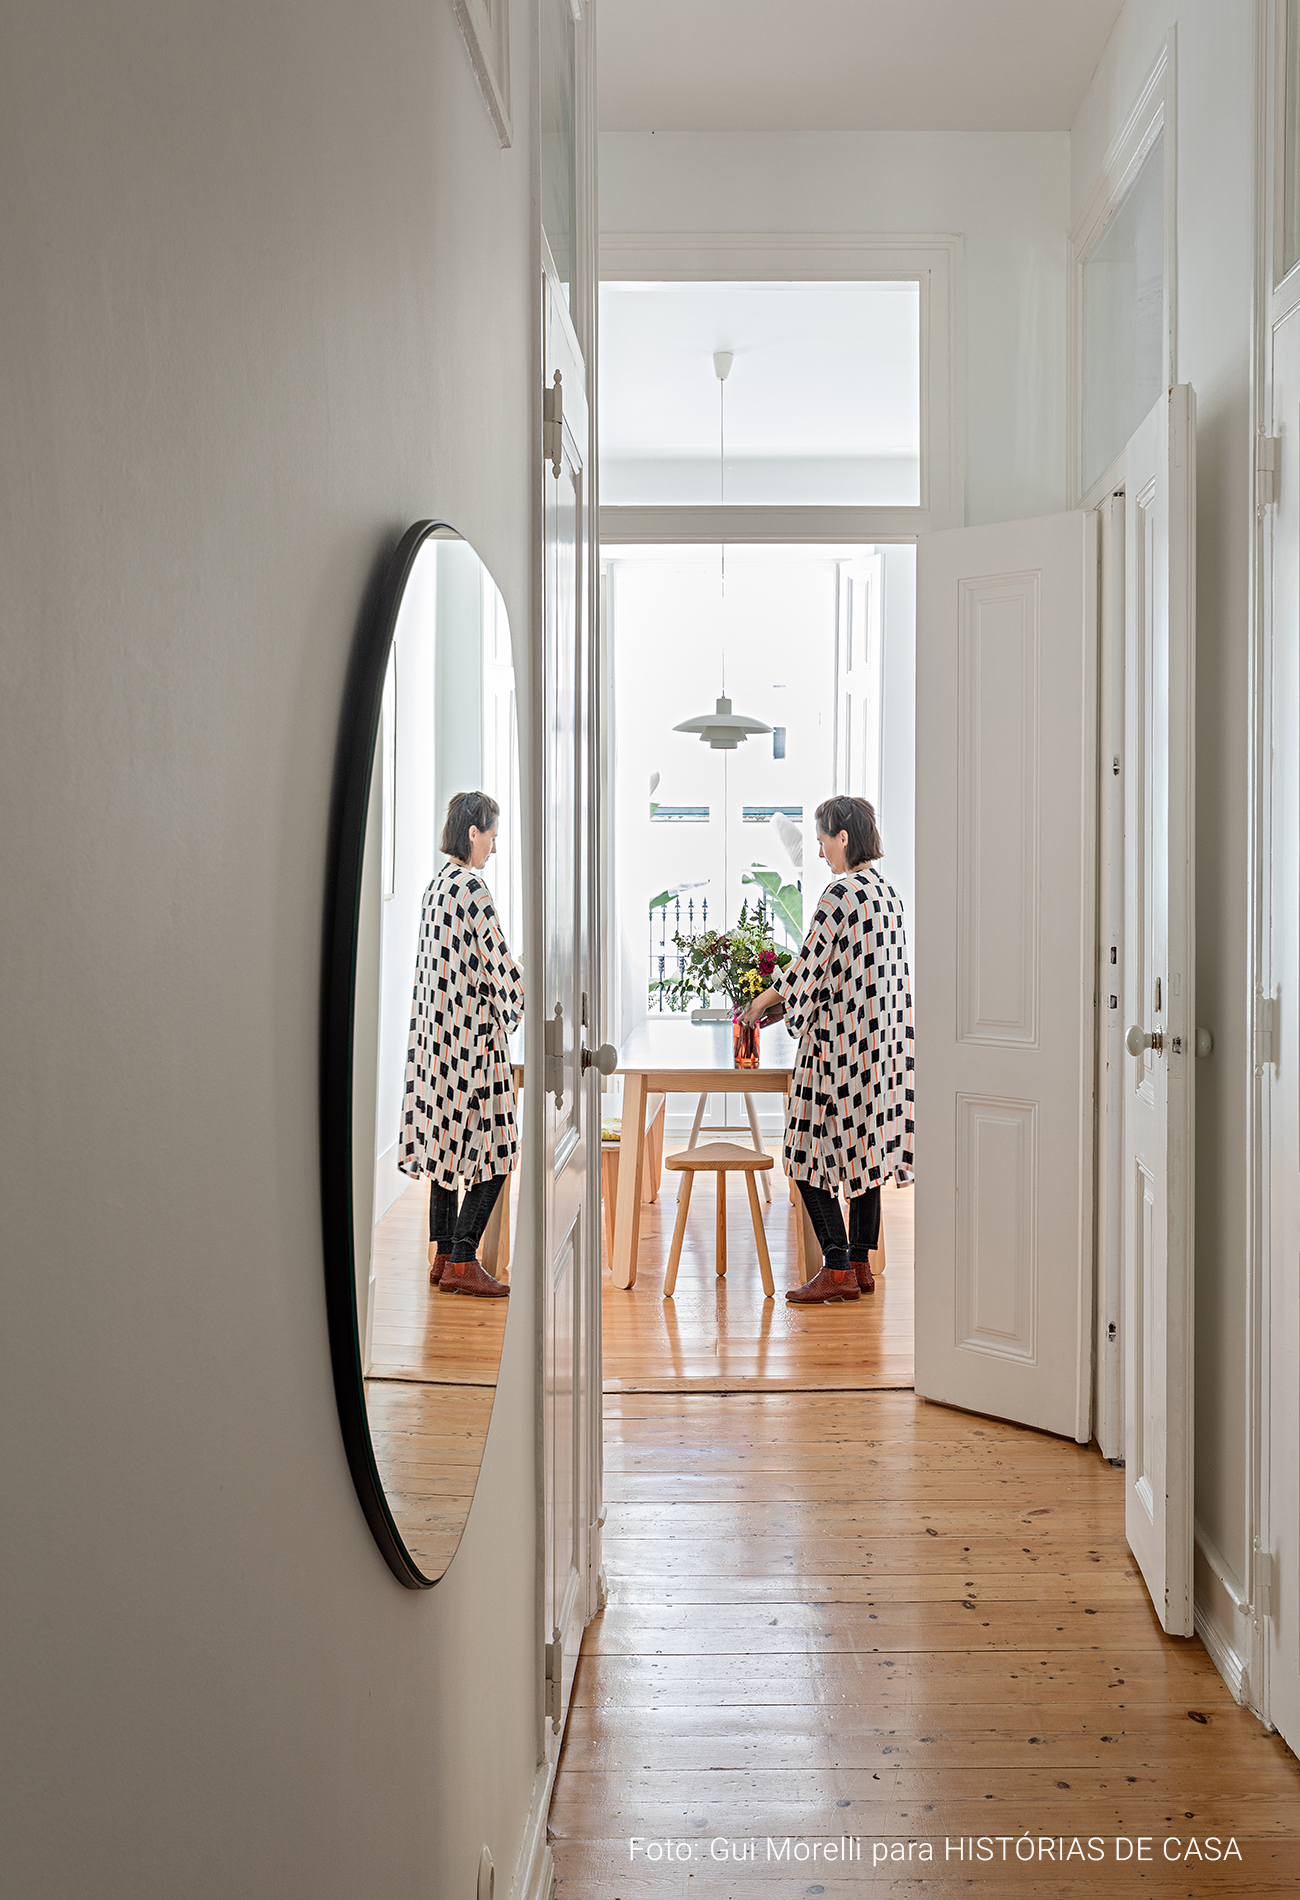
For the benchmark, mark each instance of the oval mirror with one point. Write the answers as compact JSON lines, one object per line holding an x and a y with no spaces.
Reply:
{"x":422,"y":1051}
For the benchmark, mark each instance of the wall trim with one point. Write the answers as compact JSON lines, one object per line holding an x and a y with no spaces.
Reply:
{"x":534,"y":1876}
{"x":1154,"y":110}
{"x":1229,"y":1664}
{"x":936,"y":260}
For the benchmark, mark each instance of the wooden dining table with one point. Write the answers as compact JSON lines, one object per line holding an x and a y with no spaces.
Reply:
{"x":673,"y":1056}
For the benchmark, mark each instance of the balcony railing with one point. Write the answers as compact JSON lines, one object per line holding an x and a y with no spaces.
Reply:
{"x":689,"y":917}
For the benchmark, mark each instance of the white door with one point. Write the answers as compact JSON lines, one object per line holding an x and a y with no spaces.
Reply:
{"x":1279,"y":1057}
{"x":1160,"y":991}
{"x":1006,"y":793}
{"x":858,"y":656}
{"x":567,"y":1307}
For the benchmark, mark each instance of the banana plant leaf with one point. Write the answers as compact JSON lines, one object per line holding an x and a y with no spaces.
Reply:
{"x":786,"y":899}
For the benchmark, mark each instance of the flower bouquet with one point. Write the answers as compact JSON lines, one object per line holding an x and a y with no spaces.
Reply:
{"x":740,"y":962}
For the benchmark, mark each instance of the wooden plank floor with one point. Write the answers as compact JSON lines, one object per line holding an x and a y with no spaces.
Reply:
{"x":434,"y":1362}
{"x":861,"y":1615}
{"x":721,"y":1335}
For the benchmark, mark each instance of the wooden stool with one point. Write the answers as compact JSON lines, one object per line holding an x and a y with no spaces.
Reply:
{"x":651,"y":1166}
{"x":720,"y":1158}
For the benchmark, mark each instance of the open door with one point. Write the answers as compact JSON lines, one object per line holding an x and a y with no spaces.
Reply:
{"x":1160,"y":994}
{"x":570,"y":1288}
{"x":1006,"y":794}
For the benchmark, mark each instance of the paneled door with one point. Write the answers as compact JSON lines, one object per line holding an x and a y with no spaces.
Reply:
{"x":1160,"y":992}
{"x":1006,"y":795}
{"x":568,"y":1307}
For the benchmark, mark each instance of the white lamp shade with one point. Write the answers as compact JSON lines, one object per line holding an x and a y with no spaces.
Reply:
{"x":722,"y":729}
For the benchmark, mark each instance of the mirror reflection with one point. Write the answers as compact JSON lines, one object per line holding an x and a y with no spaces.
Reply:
{"x":437,"y":1054}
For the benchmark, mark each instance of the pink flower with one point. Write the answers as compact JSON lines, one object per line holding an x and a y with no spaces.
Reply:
{"x":766,"y":962}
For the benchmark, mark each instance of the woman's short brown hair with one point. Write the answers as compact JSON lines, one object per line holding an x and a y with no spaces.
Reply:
{"x":463,"y":810}
{"x":858,"y":818}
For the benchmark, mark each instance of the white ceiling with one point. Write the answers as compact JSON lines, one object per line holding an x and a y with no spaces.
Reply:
{"x":848,"y":65}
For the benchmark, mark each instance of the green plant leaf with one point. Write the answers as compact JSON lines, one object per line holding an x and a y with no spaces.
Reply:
{"x":787,"y":899}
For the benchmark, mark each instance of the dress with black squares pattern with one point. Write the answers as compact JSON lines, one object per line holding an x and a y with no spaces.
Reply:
{"x":848,"y":998}
{"x":458,"y":1112}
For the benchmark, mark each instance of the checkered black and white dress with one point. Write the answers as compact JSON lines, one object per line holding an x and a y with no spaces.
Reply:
{"x":458,"y":1116}
{"x":848,"y":998}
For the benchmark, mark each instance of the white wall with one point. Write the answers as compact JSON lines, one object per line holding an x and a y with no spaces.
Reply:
{"x":266,"y":300}
{"x":1007,"y":193}
{"x":1214,"y":236}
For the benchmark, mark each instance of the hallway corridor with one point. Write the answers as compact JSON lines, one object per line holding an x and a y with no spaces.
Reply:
{"x":858,"y":1614}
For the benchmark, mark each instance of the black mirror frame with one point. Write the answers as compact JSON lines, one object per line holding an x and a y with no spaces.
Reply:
{"x":358,"y":737}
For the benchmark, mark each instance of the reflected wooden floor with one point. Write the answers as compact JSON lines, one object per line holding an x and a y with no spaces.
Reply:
{"x":863,"y":1615}
{"x":419,"y":1333}
{"x":434,"y":1362}
{"x":722,"y":1335}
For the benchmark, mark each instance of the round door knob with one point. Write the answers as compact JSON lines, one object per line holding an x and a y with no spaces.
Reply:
{"x":605,"y":1059}
{"x":1139,"y":1039}
{"x":1204,"y":1042}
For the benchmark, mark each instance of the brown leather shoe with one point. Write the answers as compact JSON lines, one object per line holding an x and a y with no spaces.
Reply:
{"x":467,"y":1276}
{"x":866,"y":1283}
{"x":825,"y":1287}
{"x":438,"y":1264}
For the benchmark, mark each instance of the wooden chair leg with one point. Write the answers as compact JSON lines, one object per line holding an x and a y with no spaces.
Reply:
{"x":760,"y":1238}
{"x":679,"y":1232}
{"x":721,"y":1179}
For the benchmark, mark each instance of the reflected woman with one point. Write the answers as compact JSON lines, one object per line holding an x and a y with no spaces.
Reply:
{"x":847,"y":997}
{"x":458,"y":1119}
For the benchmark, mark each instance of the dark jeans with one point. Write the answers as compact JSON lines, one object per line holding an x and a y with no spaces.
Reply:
{"x":458,"y":1230}
{"x":828,"y":1223}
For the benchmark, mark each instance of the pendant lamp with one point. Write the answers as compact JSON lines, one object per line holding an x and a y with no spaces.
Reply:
{"x":722,"y":730}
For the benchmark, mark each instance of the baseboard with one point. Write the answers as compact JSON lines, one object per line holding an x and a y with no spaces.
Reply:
{"x":390,"y":1183}
{"x":1221,"y":1615}
{"x":535,"y":1869}
{"x":1225,"y":1659}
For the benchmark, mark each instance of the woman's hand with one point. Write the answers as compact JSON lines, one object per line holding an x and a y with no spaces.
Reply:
{"x":755,"y":1011}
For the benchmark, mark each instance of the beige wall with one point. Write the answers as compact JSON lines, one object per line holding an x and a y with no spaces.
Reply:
{"x":1215,"y":84}
{"x":265,"y":300}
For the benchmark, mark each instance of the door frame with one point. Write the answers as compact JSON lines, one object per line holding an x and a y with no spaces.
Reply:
{"x":533,"y":1874}
{"x":1270,"y":303}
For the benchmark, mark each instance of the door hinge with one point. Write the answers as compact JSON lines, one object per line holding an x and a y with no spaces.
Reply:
{"x":1266,"y":1031}
{"x":1267,"y":468}
{"x":553,"y":1050}
{"x":553,"y":423}
{"x":554,"y":1680}
{"x":1263,"y":1584}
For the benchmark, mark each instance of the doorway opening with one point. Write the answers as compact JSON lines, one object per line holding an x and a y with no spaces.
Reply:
{"x":815,"y":645}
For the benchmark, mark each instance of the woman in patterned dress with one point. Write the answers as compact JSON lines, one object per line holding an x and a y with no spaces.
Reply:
{"x":847,"y":997}
{"x":458,"y":1120}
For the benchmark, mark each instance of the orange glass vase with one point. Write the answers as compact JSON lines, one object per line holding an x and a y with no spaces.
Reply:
{"x":744,"y":1043}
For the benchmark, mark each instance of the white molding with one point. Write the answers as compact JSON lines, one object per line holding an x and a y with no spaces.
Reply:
{"x":934,"y":260}
{"x":534,"y":1875}
{"x":1229,"y":1664}
{"x":1153,"y":111}
{"x":1267,"y":306}
{"x":825,"y":527}
{"x":485,"y":28}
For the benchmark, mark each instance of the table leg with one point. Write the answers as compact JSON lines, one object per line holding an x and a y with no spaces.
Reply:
{"x":720,"y":1231}
{"x":494,"y":1248}
{"x":808,"y":1253}
{"x":756,"y":1133}
{"x":627,"y":1207}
